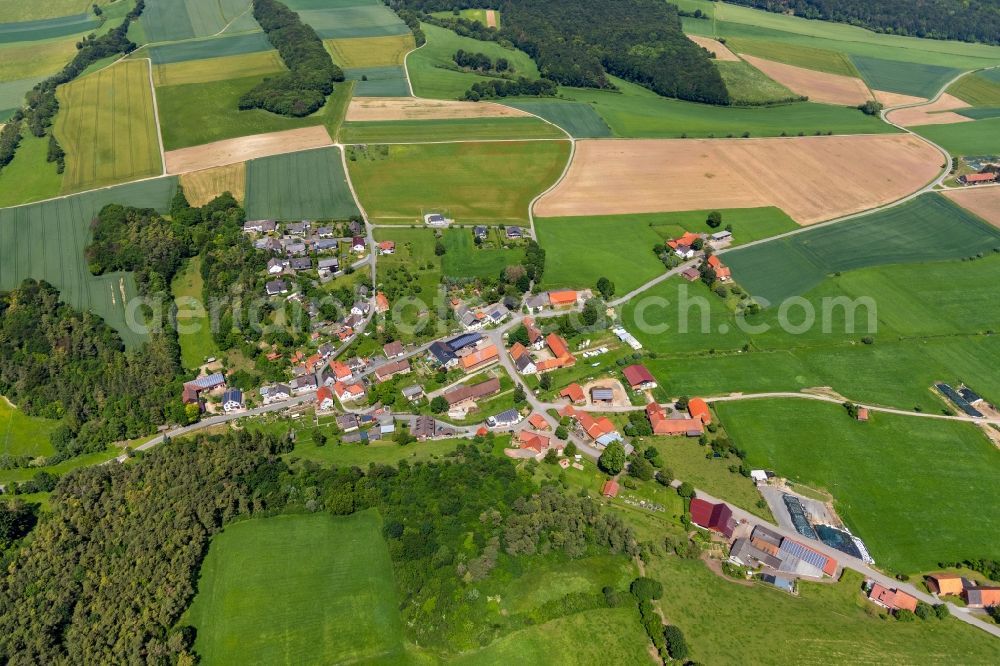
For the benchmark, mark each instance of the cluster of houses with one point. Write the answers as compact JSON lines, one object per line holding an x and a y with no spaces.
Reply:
{"x":551,"y":352}
{"x":691,"y":424}
{"x":690,"y":243}
{"x":295,"y":244}
{"x":474,"y":319}
{"x":513,"y":232}
{"x":564,"y":298}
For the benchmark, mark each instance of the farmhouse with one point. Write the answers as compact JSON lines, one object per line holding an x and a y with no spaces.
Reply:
{"x":522,"y":359}
{"x":514,"y":232}
{"x":385,"y":372}
{"x":745,"y":553}
{"x":324,"y":399}
{"x":639,"y":378}
{"x":662,"y":424}
{"x":435,"y":220}
{"x":801,"y":559}
{"x":601,"y":430}
{"x":381,"y":302}
{"x":537,"y":302}
{"x":538,"y":422}
{"x":562,"y":299}
{"x":480,"y":359}
{"x":978,"y":178}
{"x":717,"y":517}
{"x":232,"y":400}
{"x":387,"y":247}
{"x":698,"y":409}
{"x":982,"y":597}
{"x":891,"y":600}
{"x":532,"y":441}
{"x":504,"y":419}
{"x":560,"y":352}
{"x":276,"y":287}
{"x":480,"y":232}
{"x":945,"y":584}
{"x":683,"y":246}
{"x":573,"y":393}
{"x":610,"y":488}
{"x":535,"y":338}
{"x":461,"y":394}
{"x":722,"y":272}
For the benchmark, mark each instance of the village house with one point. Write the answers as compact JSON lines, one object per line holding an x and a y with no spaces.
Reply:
{"x":639,"y":378}
{"x":232,"y":400}
{"x":573,"y":393}
{"x":446,"y":353}
{"x":360,"y":308}
{"x":381,"y":303}
{"x":413,"y":393}
{"x":683,"y":246}
{"x":514,"y":232}
{"x":297,"y":228}
{"x":504,"y":419}
{"x":722,"y":272}
{"x":328,"y":265}
{"x":349,"y":392}
{"x":535,"y":338}
{"x":480,"y":232}
{"x":276,"y":287}
{"x":463,"y":394}
{"x":601,"y":430}
{"x":891,"y":600}
{"x":393,"y":349}
{"x":301,"y":264}
{"x":387,"y":247}
{"x":276,"y":393}
{"x":324,"y":399}
{"x":538,"y":422}
{"x":435,"y":220}
{"x":709,"y":516}
{"x":385,"y":372}
{"x":259,"y":226}
{"x":358,"y":245}
{"x":303,"y":384}
{"x":480,"y":359}
{"x":325,"y":244}
{"x":424,"y":427}
{"x":276,"y":266}
{"x":537,"y":302}
{"x":295,"y":249}
{"x":325,"y":232}
{"x":532,"y":441}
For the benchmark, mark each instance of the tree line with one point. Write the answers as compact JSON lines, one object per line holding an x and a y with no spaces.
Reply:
{"x":90,"y":582}
{"x":581,"y":42}
{"x":41,"y":103}
{"x":480,"y":62}
{"x":304,"y":88}
{"x":964,"y":20}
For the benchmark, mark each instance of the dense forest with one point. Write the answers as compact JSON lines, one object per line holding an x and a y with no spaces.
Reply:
{"x":581,"y":42}
{"x":106,"y":575}
{"x":57,"y":362}
{"x":965,"y":20}
{"x":304,"y":88}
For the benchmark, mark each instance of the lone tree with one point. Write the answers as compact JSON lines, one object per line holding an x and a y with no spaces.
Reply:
{"x":612,"y":461}
{"x":714,"y":219}
{"x":606,"y":287}
{"x":439,"y":248}
{"x":685,"y":490}
{"x":439,"y":404}
{"x":645,"y":589}
{"x":519,"y":395}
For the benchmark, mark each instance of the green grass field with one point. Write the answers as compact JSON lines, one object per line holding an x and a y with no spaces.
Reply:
{"x":885,"y":475}
{"x":29,"y":177}
{"x":387,"y":81}
{"x":45,"y":241}
{"x":106,"y":126}
{"x":978,"y":138}
{"x":639,"y":113}
{"x":415,"y":254}
{"x":196,"y":344}
{"x":821,"y":60}
{"x":337,"y":599}
{"x":201,"y":49}
{"x":173,"y":20}
{"x":38,"y":60}
{"x":749,"y":86}
{"x":580,"y":250}
{"x":464,"y":259}
{"x":980,"y":112}
{"x":18,"y":10}
{"x":459,"y":129}
{"x":52,"y":28}
{"x":977,"y":89}
{"x":370,"y":51}
{"x":310,"y":184}
{"x":469,"y":182}
{"x":579,"y":120}
{"x":22,"y":435}
{"x":12,"y":95}
{"x":355,"y":19}
{"x":192,"y":114}
{"x":925,"y":229}
{"x":434,"y":74}
{"x":901,"y":77}
{"x":824,"y":623}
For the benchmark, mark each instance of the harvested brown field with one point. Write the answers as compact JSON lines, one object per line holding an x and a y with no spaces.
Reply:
{"x":811,"y":178}
{"x":983,"y":201}
{"x":491,"y":18}
{"x":891,"y":99}
{"x":200,"y":187}
{"x":939,"y":112}
{"x":231,"y":151}
{"x":720,"y":50}
{"x":818,"y":86}
{"x":415,"y":108}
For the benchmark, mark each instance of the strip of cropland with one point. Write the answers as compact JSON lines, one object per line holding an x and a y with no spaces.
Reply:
{"x":309,"y":184}
{"x":981,"y":137}
{"x":370,"y":51}
{"x":231,"y":151}
{"x":218,"y":69}
{"x":469,"y":182}
{"x":107,"y":127}
{"x":46,"y":241}
{"x":925,"y":229}
{"x":202,"y":186}
{"x":175,"y":20}
{"x":344,"y":19}
{"x":810,"y":178}
{"x":890,"y":512}
{"x":579,"y":120}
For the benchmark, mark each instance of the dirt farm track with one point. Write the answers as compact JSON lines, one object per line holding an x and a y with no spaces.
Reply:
{"x":811,"y":178}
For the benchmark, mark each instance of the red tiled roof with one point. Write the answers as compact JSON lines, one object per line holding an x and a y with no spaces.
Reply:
{"x":480,"y":357}
{"x":567,"y":411}
{"x":324,"y":393}
{"x":562,"y":297}
{"x":904,"y":600}
{"x":610,"y":488}
{"x":980,"y":177}
{"x":687,"y":239}
{"x":948,"y":584}
{"x":637,"y":374}
{"x":698,"y":409}
{"x":381,"y":302}
{"x":340,"y":370}
{"x":594,"y":427}
{"x":557,"y":345}
{"x":517,"y":350}
{"x":574,"y":392}
{"x":883,"y":595}
{"x":538,"y":422}
{"x":532,"y":440}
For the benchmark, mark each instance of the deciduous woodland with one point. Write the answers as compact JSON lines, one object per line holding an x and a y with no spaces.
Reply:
{"x":304,"y":88}
{"x":965,"y":20}
{"x":580,"y":42}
